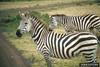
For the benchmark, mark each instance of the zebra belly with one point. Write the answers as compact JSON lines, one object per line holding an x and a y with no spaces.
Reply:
{"x":58,"y":49}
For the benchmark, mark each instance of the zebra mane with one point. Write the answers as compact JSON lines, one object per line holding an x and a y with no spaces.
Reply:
{"x":42,"y":22}
{"x":58,"y":15}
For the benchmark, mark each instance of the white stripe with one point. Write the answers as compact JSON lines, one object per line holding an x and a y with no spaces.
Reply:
{"x":83,"y":43}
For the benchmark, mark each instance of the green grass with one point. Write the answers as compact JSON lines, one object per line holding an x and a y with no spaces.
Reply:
{"x":77,"y":10}
{"x":26,"y":45}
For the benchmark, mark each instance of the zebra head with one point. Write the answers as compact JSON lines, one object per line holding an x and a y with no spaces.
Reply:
{"x":25,"y":24}
{"x":55,"y":20}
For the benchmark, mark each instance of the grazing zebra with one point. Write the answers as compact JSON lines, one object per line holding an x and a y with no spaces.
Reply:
{"x":76,"y":23}
{"x":52,"y":44}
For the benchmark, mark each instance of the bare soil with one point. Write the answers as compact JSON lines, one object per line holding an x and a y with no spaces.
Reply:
{"x":9,"y":56}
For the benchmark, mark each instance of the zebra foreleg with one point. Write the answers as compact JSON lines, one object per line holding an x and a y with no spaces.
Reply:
{"x":48,"y":61}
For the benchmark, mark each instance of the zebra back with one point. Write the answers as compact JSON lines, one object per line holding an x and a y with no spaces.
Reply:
{"x":76,"y":23}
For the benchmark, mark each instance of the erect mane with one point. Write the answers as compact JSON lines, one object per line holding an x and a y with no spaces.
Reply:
{"x":58,"y":15}
{"x":42,"y":22}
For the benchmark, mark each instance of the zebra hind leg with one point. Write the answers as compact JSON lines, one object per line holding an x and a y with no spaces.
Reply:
{"x":90,"y":57}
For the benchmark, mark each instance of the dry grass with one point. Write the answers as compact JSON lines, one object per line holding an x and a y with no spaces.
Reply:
{"x":77,"y":10}
{"x":27,"y":4}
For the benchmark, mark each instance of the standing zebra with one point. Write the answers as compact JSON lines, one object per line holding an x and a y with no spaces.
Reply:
{"x":76,"y":23}
{"x":52,"y":44}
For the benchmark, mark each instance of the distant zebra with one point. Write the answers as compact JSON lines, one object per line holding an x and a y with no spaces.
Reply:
{"x":76,"y":23}
{"x":52,"y":44}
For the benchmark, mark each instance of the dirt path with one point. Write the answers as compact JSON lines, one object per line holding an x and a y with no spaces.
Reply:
{"x":9,"y":56}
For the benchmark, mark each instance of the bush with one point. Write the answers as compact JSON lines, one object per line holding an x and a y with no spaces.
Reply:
{"x":44,"y":17}
{"x":11,"y":23}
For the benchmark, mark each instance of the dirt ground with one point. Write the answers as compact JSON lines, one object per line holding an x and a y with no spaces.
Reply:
{"x":9,"y":56}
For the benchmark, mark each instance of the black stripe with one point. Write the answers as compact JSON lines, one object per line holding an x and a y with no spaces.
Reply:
{"x":92,"y":18}
{"x":47,"y":45}
{"x":88,"y":56}
{"x":59,"y":47}
{"x":52,"y":35}
{"x":37,"y":24}
{"x":49,"y":41}
{"x":67,"y":38}
{"x":83,"y":17}
{"x":85,"y":21}
{"x":96,"y":22}
{"x":55,"y":44}
{"x":82,"y":46}
{"x":74,"y":38}
{"x":87,"y":18}
{"x":39,"y":43}
{"x":39,"y":28}
{"x":58,"y":35}
{"x":38,"y":36}
{"x":88,"y":53}
{"x":76,"y":22}
{"x":69,"y":44}
{"x":79,"y":23}
{"x":41,"y":46}
{"x":80,"y":40}
{"x":90,"y":59}
{"x":64,"y":21}
{"x":86,"y":50}
{"x":63,"y":51}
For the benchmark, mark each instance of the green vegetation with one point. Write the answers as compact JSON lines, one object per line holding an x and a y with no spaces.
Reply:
{"x":9,"y":21}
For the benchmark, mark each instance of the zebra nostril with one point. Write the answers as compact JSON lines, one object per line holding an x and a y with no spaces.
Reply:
{"x":18,"y":33}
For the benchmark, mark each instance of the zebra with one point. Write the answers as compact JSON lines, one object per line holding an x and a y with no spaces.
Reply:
{"x":83,"y":23}
{"x":57,"y":45}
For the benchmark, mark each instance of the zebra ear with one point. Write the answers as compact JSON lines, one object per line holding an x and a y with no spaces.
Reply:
{"x":27,"y":14}
{"x":19,"y":12}
{"x":22,"y":15}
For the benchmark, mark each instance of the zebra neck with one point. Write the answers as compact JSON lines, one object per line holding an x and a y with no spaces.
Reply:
{"x":39,"y":30}
{"x":40,"y":34}
{"x":62,"y":19}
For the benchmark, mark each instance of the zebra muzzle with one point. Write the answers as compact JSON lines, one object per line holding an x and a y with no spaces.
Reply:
{"x":18,"y":33}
